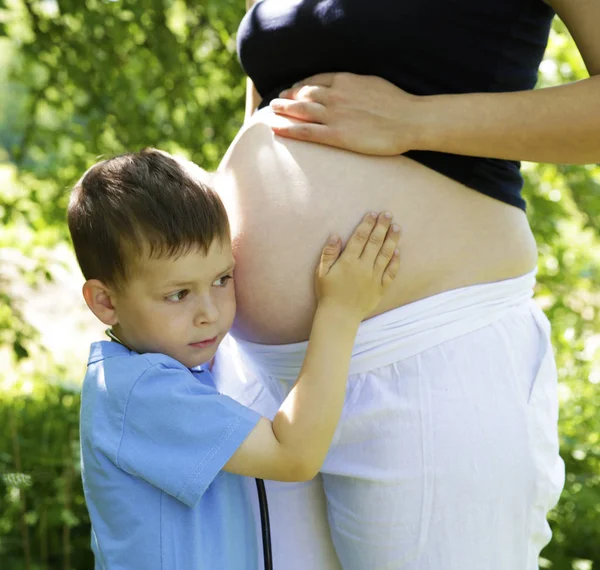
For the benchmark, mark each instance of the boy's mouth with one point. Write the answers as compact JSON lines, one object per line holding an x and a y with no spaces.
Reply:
{"x":204,"y":343}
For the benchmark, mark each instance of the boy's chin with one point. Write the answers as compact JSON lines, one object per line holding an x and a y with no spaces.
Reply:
{"x":204,"y":356}
{"x":196,"y":364}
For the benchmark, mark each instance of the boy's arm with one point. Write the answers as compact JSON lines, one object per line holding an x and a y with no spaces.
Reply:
{"x":293,"y":447}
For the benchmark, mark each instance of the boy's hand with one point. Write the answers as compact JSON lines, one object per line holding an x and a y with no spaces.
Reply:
{"x":350,"y":284}
{"x":356,"y":279}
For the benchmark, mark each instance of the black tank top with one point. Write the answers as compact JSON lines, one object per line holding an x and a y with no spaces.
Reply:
{"x":425,"y":47}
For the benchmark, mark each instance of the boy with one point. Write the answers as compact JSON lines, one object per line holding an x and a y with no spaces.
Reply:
{"x":161,"y":448}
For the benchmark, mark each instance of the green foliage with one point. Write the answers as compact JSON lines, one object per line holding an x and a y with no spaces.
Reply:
{"x":79,"y":80}
{"x":98,"y":77}
{"x":564,"y":210}
{"x":84,"y":78}
{"x":43,"y":519}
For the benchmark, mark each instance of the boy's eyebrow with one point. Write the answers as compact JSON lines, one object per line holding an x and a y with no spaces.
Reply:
{"x":228,"y":269}
{"x":176,"y":283}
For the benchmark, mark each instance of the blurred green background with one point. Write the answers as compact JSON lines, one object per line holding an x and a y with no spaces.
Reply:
{"x":81,"y":79}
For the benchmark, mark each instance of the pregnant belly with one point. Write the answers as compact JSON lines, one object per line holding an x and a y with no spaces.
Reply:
{"x":285,"y":197}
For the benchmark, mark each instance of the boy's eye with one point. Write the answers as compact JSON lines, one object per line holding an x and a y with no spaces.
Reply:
{"x":177,"y":296}
{"x":222,"y":281}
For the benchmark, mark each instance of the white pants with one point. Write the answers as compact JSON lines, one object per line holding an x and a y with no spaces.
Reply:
{"x":446,"y":456}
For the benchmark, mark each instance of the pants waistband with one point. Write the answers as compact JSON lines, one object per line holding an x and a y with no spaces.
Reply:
{"x":402,"y":332}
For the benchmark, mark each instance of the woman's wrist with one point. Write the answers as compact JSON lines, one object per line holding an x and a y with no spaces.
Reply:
{"x":542,"y":125}
{"x":412,"y":122}
{"x":428,"y":121}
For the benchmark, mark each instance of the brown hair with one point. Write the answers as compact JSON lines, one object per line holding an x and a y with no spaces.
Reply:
{"x":139,"y":200}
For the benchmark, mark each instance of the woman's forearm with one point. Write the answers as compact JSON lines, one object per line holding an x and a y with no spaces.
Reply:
{"x":371,"y":116}
{"x":557,"y":124}
{"x":252,"y":99}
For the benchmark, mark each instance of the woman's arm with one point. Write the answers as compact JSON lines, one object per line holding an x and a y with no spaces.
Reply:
{"x":372,"y":116}
{"x":253,"y":99}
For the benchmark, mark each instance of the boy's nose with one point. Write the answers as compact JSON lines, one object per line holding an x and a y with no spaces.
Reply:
{"x":206,"y":312}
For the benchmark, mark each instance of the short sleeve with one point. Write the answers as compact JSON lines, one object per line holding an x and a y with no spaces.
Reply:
{"x":178,"y":432}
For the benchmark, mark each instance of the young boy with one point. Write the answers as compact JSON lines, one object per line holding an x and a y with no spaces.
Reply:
{"x":162,"y":450}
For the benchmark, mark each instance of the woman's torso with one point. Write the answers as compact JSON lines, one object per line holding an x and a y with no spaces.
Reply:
{"x":285,"y":197}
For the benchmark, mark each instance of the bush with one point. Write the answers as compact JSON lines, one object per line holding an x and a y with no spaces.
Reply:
{"x":43,"y":519}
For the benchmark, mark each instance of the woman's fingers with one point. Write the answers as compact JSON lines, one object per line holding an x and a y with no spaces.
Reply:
{"x":321,"y":79}
{"x":364,"y":114}
{"x":296,"y":129}
{"x":308,"y":111}
{"x":321,"y":134}
{"x":315,"y":93}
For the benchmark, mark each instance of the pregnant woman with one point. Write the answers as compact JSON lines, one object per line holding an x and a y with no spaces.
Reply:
{"x":446,"y":457}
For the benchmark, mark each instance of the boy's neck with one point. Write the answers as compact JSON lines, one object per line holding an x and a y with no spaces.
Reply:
{"x":113,"y":337}
{"x":110,"y":334}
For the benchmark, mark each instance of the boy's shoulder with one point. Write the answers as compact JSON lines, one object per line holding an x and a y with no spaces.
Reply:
{"x":111,"y":353}
{"x":115,"y":362}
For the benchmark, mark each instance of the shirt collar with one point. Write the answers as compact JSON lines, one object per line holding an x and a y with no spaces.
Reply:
{"x":106,"y":349}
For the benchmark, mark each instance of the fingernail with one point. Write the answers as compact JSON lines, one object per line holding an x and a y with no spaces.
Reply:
{"x":284,"y":93}
{"x":396,"y":252}
{"x":395,"y":228}
{"x":388,"y":215}
{"x":373,"y":214}
{"x":333,"y":239}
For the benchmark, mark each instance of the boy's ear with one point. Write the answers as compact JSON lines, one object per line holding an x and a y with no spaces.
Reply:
{"x":98,"y":298}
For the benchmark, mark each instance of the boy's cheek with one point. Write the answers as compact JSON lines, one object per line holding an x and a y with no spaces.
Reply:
{"x":231,"y":310}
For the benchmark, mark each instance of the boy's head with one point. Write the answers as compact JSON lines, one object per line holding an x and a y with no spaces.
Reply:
{"x":152,"y":240}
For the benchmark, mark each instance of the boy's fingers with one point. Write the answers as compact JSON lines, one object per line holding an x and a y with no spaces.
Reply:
{"x":386,"y":252}
{"x":330,"y":254}
{"x":360,"y":236}
{"x":377,"y":238}
{"x":391,"y":270}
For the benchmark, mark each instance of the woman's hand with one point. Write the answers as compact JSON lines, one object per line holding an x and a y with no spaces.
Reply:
{"x":365,"y":114}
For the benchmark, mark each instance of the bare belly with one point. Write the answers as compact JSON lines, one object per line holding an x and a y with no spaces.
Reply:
{"x":285,"y":197}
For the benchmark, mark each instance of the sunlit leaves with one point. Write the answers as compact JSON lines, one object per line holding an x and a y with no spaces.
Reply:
{"x":80,"y":79}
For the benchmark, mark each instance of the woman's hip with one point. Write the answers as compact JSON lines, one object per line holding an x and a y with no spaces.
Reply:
{"x":447,"y":449}
{"x":393,"y":336}
{"x":455,"y":361}
{"x":450,"y":458}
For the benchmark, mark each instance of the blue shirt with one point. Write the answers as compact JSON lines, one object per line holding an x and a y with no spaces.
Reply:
{"x":154,"y":438}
